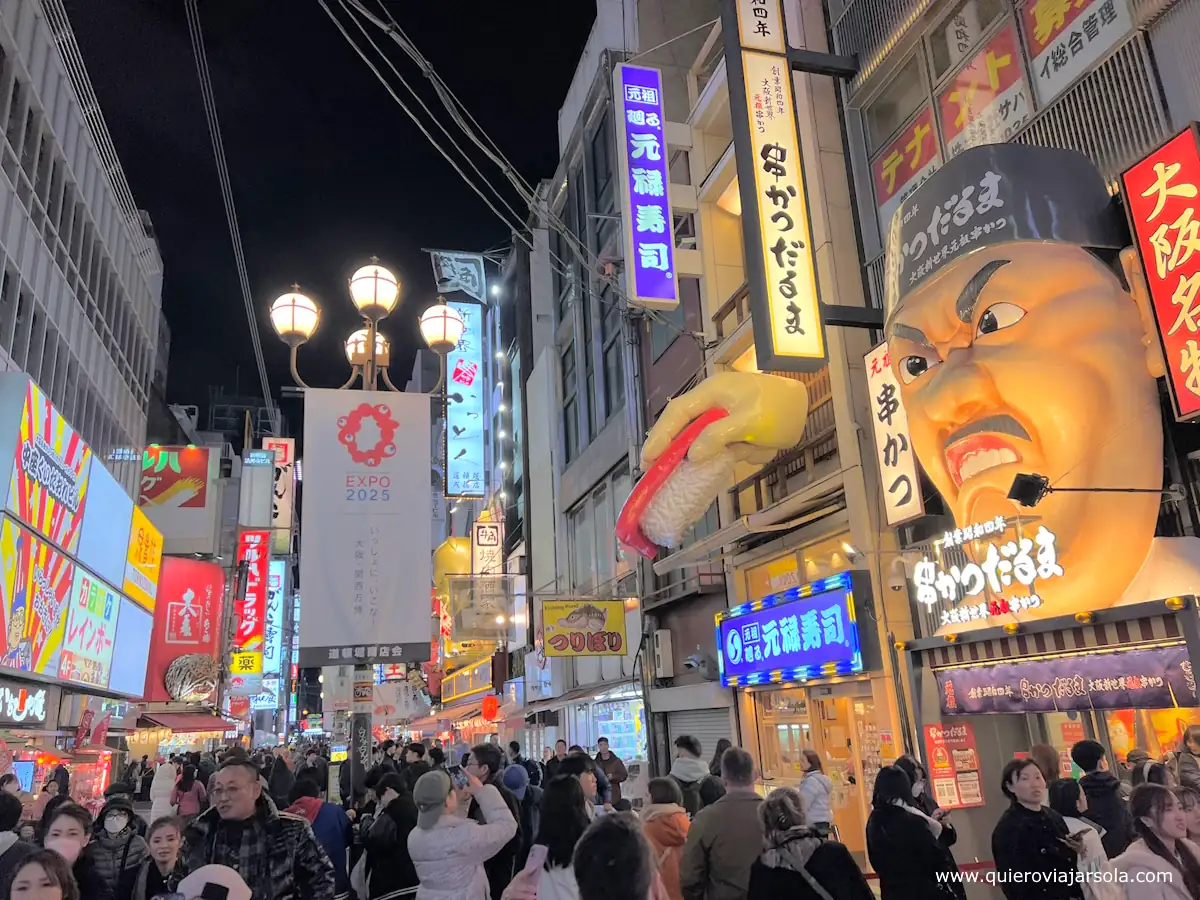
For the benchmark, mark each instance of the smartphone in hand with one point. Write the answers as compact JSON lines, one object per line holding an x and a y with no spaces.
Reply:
{"x":537,"y":857}
{"x":458,"y":776}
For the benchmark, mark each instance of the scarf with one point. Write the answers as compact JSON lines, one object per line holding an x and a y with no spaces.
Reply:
{"x":790,"y":849}
{"x":935,"y":827}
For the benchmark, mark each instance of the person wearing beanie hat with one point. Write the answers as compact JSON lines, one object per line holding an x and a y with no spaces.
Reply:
{"x":516,"y":779}
{"x":448,"y":851}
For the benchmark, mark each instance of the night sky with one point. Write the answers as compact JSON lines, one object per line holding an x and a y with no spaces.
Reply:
{"x":326,"y":168}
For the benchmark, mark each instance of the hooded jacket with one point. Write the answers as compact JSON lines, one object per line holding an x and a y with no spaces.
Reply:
{"x":117,"y":857}
{"x":449,"y":857}
{"x":276,"y":853}
{"x":688,"y":773}
{"x":1107,"y":809}
{"x":778,"y":872}
{"x":666,"y":827}
{"x":333,"y":831}
{"x":1140,"y":859}
{"x":722,"y":844}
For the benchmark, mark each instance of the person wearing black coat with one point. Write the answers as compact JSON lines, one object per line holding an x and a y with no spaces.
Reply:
{"x":1105,"y":805}
{"x":1031,"y":838}
{"x":389,"y":867}
{"x":906,"y":846}
{"x":794,"y":857}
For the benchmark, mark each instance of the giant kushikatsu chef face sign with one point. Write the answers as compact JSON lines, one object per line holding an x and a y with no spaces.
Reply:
{"x":1020,"y":347}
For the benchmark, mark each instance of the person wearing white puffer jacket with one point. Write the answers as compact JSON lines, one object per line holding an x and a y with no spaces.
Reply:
{"x":449,"y":850}
{"x":161,"y":789}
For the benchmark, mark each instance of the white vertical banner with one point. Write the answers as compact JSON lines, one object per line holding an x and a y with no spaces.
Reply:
{"x":365,"y":553}
{"x":893,"y":446}
{"x":284,"y":490}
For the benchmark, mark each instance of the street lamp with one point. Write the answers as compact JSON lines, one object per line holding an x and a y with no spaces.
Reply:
{"x":375,"y":292}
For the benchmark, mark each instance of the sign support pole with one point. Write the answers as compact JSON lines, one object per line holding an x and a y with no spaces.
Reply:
{"x":361,"y":738}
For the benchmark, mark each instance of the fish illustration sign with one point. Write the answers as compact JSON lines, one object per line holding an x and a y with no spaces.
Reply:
{"x":584,"y":628}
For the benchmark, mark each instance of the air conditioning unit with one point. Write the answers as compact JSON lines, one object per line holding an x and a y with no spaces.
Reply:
{"x":664,"y":659}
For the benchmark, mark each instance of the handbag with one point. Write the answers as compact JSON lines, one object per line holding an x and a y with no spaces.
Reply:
{"x":358,"y":879}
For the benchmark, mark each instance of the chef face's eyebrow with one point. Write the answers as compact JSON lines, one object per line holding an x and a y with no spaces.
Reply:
{"x":908,"y":333}
{"x":965,"y":305}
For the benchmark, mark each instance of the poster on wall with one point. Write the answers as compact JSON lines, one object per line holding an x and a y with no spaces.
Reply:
{"x":574,"y":628}
{"x":36,"y":587}
{"x":174,"y":477}
{"x":48,"y":485}
{"x":186,"y":621}
{"x":364,"y":554}
{"x":904,"y":165}
{"x":1066,"y":39}
{"x":988,"y":101}
{"x":143,"y":560}
{"x":953,"y":762}
{"x":465,"y":385}
{"x":91,"y":631}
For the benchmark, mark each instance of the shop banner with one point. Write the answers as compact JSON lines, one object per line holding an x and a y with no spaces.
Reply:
{"x":487,"y":548}
{"x":36,"y":587}
{"x":284,"y":492}
{"x":465,"y":387}
{"x":91,"y":631}
{"x":143,"y":560}
{"x":808,"y":632}
{"x":254,"y":549}
{"x":901,"y":482}
{"x":364,"y":552}
{"x":245,"y":673}
{"x":644,"y":179}
{"x":1161,"y":199}
{"x":953,"y":763}
{"x":1066,"y":39}
{"x":453,"y":271}
{"x":987,"y":102}
{"x":85,"y":727}
{"x":904,"y":165}
{"x":584,"y":628}
{"x":48,"y":487}
{"x":26,"y":704}
{"x":187,"y":619}
{"x":100,"y":732}
{"x":1159,"y":678}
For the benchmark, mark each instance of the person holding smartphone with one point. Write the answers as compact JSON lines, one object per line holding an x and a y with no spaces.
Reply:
{"x":448,"y":851}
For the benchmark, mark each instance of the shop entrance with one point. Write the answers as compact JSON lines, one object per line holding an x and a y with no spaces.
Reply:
{"x":837,"y":722}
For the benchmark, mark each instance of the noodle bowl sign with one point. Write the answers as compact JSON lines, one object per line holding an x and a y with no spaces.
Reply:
{"x":1005,"y":578}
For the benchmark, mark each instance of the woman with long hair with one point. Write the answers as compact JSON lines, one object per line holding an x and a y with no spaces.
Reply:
{"x":714,"y":767}
{"x":1068,"y":799}
{"x":1150,"y":772}
{"x":1048,"y":762}
{"x":1162,"y":864}
{"x":797,"y":861}
{"x":43,"y":876}
{"x":563,"y":821}
{"x":1190,"y":798}
{"x":189,"y":795}
{"x":905,"y":845}
{"x":816,"y":792}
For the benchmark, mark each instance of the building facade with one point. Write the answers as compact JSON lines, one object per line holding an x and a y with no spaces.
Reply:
{"x":81,"y":290}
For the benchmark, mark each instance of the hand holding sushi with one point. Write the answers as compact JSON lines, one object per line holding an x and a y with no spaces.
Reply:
{"x":767,"y":414}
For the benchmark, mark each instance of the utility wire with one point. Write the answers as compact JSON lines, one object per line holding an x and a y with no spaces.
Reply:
{"x":214,"y":132}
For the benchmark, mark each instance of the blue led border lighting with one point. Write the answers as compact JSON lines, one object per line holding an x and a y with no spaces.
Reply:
{"x":851,"y":666}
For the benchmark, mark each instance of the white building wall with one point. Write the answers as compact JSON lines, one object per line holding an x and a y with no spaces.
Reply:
{"x":80,"y":281}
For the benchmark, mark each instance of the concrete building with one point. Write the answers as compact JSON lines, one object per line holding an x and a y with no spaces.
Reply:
{"x":81,"y":287}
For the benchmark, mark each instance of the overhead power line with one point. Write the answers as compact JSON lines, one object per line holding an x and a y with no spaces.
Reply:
{"x":235,"y":235}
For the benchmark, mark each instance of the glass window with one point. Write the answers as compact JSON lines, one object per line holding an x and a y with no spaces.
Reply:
{"x":952,"y":40}
{"x":583,"y":567}
{"x":605,"y":537}
{"x":602,"y":159}
{"x":899,"y":100}
{"x":614,"y":378}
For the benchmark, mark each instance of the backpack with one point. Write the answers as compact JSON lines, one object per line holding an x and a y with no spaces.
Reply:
{"x":535,"y":771}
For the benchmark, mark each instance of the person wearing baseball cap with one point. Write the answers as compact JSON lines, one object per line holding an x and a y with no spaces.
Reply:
{"x":449,"y":851}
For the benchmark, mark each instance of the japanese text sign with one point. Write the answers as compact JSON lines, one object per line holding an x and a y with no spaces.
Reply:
{"x":902,"y":498}
{"x":487,"y":548}
{"x":795,"y":635}
{"x":91,"y":630}
{"x":28,"y":704}
{"x":282,"y":501}
{"x":584,"y":628}
{"x":1066,"y":37}
{"x":48,"y":486}
{"x":643,"y":165}
{"x":187,"y":618}
{"x":988,"y":100}
{"x":1158,"y":678}
{"x":143,"y":560}
{"x":464,"y":406}
{"x":780,"y":268}
{"x":254,"y":549}
{"x":905,"y":164}
{"x":174,"y":477}
{"x":1161,"y":196}
{"x":35,"y":585}
{"x":953,"y":763}
{"x":760,"y":23}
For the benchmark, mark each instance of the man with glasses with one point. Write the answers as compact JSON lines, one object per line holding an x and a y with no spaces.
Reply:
{"x":275,"y":853}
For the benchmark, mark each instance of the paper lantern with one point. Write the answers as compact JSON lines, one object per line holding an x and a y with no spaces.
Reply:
{"x":491,"y":707}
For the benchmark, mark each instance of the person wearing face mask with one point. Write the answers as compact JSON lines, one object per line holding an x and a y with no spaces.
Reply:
{"x":161,"y":872}
{"x":116,"y":848}
{"x":44,"y":875}
{"x":388,"y":866}
{"x":68,"y":832}
{"x":905,"y":845}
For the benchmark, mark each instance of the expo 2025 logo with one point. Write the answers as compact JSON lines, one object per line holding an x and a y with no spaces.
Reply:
{"x":350,"y":429}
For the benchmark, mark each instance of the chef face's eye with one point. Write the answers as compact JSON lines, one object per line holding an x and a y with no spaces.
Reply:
{"x":913,"y":367}
{"x":997,"y":317}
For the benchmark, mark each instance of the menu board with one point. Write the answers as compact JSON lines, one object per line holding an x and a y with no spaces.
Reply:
{"x":953,"y":764}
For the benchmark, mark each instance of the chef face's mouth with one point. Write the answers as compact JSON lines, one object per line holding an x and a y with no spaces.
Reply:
{"x":982,"y":445}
